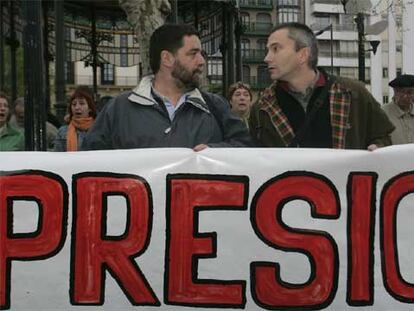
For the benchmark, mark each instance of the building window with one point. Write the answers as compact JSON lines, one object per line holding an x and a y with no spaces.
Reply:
{"x":263,"y":78}
{"x":245,"y":47}
{"x":263,"y":18}
{"x":261,"y":44}
{"x":245,"y":18}
{"x":385,"y":99}
{"x":246,"y":74}
{"x":69,"y":72}
{"x":124,"y":50}
{"x":264,"y":2}
{"x":107,"y":74}
{"x":385,"y":72}
{"x":215,"y":70}
{"x":287,"y":2}
{"x":398,"y":47}
{"x":69,"y":64}
{"x":348,"y":49}
{"x":368,"y":75}
{"x":349,"y":72}
{"x":288,"y":11}
{"x":322,"y":19}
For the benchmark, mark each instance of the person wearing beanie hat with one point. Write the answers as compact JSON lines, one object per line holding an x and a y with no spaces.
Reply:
{"x":401,"y":110}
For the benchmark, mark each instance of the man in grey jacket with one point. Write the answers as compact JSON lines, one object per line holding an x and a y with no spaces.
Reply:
{"x":401,"y":109}
{"x":168,"y":109}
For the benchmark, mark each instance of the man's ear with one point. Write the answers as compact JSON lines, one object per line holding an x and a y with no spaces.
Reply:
{"x":167,"y":59}
{"x":304,"y":54}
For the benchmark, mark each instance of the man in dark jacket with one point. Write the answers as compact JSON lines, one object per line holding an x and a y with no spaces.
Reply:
{"x":305,"y":107}
{"x":168,"y":109}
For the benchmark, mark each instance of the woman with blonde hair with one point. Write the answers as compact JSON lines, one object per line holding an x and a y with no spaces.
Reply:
{"x":81,"y":116}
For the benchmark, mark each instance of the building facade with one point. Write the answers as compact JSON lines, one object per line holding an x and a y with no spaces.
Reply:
{"x":257,"y":18}
{"x":338,"y":49}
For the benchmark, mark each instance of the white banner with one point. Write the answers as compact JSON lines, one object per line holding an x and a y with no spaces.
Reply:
{"x":163,"y":229}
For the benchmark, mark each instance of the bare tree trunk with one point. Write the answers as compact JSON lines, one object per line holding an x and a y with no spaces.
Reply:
{"x":146,"y":16}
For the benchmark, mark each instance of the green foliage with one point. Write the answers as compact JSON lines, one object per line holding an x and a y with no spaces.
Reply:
{"x":19,"y":70}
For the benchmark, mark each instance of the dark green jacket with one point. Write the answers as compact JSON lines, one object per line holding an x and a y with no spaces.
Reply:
{"x":357,"y":119}
{"x":11,"y":139}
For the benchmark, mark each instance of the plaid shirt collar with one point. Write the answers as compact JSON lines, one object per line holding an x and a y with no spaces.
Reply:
{"x":321,"y":81}
{"x":339,"y":102}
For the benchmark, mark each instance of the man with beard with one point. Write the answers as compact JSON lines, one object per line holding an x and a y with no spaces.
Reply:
{"x":167,"y":109}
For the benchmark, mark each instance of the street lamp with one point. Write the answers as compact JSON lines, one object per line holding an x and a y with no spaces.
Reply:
{"x":330,"y":27}
{"x":358,"y":7}
{"x":359,"y":20}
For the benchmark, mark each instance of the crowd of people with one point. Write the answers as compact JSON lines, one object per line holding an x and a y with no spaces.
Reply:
{"x":303,"y":107}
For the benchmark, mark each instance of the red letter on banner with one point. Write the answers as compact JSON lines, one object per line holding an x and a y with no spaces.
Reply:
{"x":361,"y":224}
{"x":50,"y":193}
{"x":394,"y":191}
{"x":268,"y":290}
{"x":93,"y":252}
{"x":185,"y":246}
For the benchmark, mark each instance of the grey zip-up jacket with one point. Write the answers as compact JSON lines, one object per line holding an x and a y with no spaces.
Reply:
{"x":135,"y":120}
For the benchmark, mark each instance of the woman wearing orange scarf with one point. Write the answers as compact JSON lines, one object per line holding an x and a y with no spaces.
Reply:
{"x":81,"y":115}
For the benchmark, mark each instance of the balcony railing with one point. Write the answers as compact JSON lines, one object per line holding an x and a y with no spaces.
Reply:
{"x":257,"y":28}
{"x":327,"y":1}
{"x":340,"y":54}
{"x":256,"y":4}
{"x":253,"y":55}
{"x":336,"y":27}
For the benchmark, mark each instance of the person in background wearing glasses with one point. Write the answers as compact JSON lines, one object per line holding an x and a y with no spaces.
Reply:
{"x":401,"y":109}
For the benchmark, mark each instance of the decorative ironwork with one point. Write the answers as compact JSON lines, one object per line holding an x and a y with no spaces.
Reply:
{"x":113,"y":22}
{"x":208,"y":21}
{"x":98,"y":38}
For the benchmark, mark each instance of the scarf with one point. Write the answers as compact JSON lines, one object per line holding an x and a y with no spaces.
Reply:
{"x":82,"y":124}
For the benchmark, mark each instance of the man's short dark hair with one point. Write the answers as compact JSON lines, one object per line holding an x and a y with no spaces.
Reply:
{"x":303,"y":37}
{"x":168,"y":37}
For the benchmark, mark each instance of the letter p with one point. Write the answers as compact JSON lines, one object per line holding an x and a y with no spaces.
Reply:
{"x":50,"y":193}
